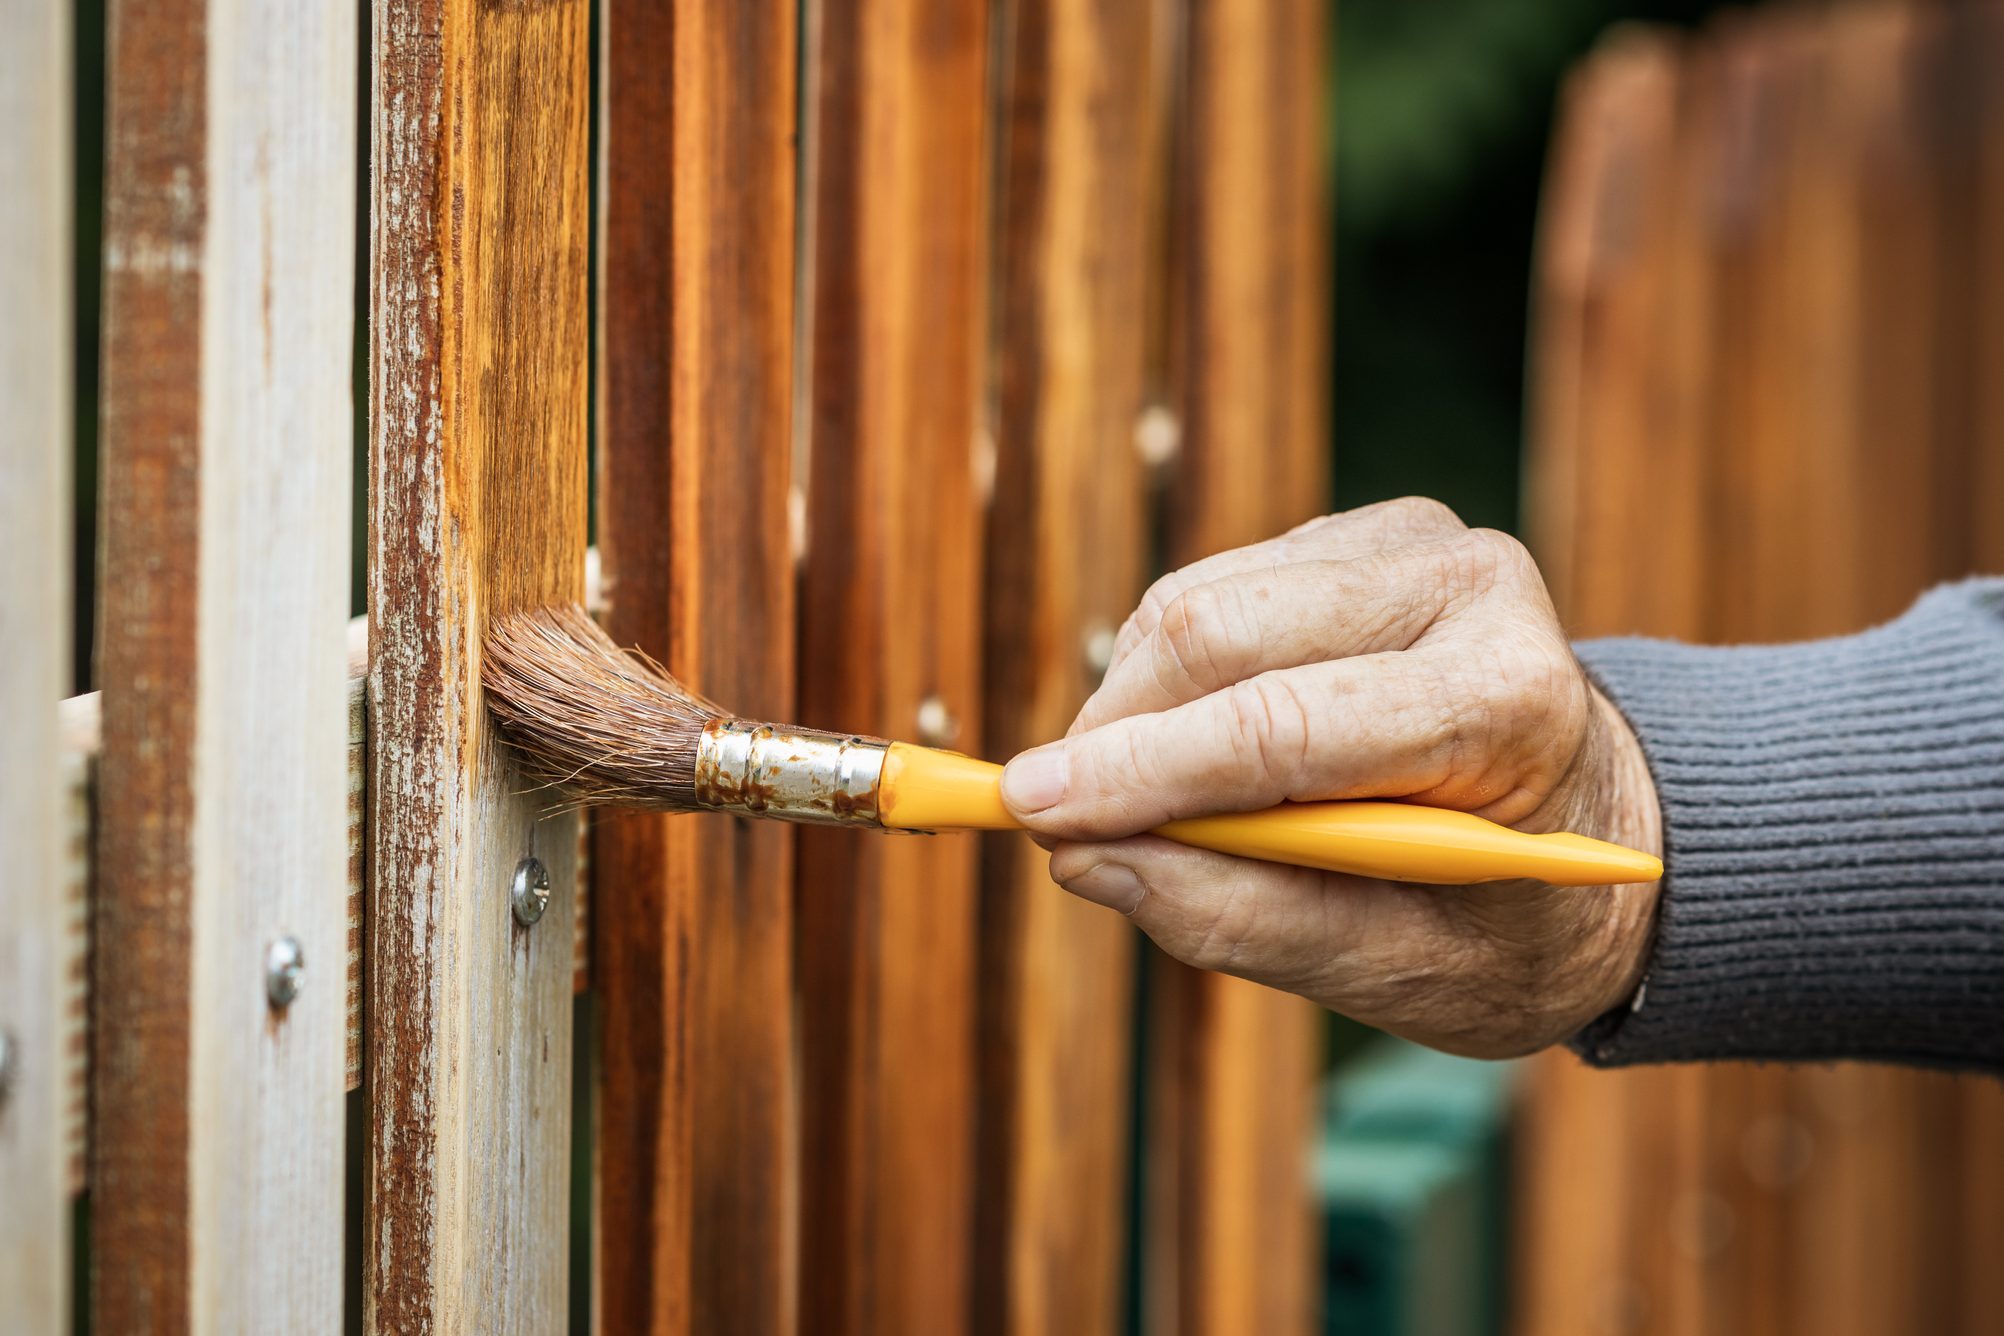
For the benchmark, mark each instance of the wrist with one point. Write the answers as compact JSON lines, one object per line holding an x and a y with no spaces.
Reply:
{"x":1631,"y":816}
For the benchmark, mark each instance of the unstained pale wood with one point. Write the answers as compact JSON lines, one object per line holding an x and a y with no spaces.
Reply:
{"x":890,"y":642}
{"x":226,"y":426}
{"x":34,"y":622}
{"x":477,"y":507}
{"x":697,"y":1205}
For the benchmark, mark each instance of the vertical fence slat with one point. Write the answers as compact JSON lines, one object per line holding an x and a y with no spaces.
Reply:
{"x":477,"y":507}
{"x":34,"y":622}
{"x":890,"y":645}
{"x":1233,"y":1065}
{"x":1066,"y":553}
{"x":694,"y":956}
{"x":1624,"y":295}
{"x":228,"y":321}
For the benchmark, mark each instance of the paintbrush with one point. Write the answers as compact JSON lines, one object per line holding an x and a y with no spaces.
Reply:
{"x":604,"y":725}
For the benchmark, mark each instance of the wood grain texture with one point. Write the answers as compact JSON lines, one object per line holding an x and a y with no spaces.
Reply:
{"x":697,"y":1214}
{"x":1234,"y":1065}
{"x":477,"y":507}
{"x":1824,"y":203}
{"x":1619,"y":306}
{"x":35,"y":447}
{"x":890,"y":645}
{"x":1065,"y":563}
{"x":226,"y":426}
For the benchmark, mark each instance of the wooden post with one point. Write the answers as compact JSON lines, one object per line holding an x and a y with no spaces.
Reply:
{"x":35,"y":447}
{"x":1234,"y":1065}
{"x":227,"y":337}
{"x":1066,"y":553}
{"x":477,"y":507}
{"x":696,"y":1223}
{"x":890,"y":644}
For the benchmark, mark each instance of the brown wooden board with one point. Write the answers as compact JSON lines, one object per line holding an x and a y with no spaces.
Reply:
{"x":1824,"y":165}
{"x":1621,"y":300}
{"x":1066,"y":552}
{"x":1230,"y":1244}
{"x":697,"y":1211}
{"x":477,"y":508}
{"x":35,"y":445}
{"x":890,"y":625}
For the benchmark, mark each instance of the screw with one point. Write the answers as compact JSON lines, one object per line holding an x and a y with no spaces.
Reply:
{"x":284,"y":962}
{"x":530,"y":895}
{"x":1098,"y":645}
{"x":1158,"y":435}
{"x":936,"y":724}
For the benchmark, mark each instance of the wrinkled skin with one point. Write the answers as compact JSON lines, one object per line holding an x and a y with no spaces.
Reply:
{"x":1387,"y":652}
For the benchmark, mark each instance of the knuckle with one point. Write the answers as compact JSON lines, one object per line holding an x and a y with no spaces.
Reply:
{"x":1505,"y":559}
{"x":1147,"y":614}
{"x":1192,"y":636}
{"x":1423,"y":514}
{"x":1220,"y":940}
{"x":1269,"y":726}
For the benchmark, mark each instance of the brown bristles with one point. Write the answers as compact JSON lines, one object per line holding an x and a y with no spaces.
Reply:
{"x":599,"y":723}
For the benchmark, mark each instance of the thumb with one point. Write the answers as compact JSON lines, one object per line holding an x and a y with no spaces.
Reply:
{"x":1231,"y":751}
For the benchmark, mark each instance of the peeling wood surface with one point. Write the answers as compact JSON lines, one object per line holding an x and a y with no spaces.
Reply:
{"x":226,"y":409}
{"x":1233,"y":1066}
{"x":35,"y":446}
{"x":890,"y":637}
{"x":477,"y":507}
{"x":1066,"y":563}
{"x":697,"y":1219}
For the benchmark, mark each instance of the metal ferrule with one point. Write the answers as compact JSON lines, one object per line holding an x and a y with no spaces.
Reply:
{"x":794,"y":774}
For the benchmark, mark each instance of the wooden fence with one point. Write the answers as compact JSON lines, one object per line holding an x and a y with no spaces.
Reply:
{"x":1769,"y":404}
{"x":910,"y":336}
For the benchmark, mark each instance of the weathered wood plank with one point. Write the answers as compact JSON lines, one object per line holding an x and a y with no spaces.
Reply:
{"x":890,"y":645}
{"x":1233,"y":1064}
{"x":697,"y":1210}
{"x":1066,"y":552}
{"x":34,"y":622}
{"x":477,"y":507}
{"x":227,"y":330}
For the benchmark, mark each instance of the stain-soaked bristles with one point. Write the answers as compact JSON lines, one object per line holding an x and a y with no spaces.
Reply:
{"x":599,"y":723}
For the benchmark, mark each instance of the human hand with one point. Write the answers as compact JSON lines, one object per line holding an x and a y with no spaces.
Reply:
{"x":1387,"y":652}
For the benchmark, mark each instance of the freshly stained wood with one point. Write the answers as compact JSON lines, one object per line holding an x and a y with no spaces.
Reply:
{"x":227,"y":337}
{"x":1234,"y":1065}
{"x":477,"y":507}
{"x":890,"y":643}
{"x":697,"y":1211}
{"x":35,"y":449}
{"x":1066,"y":548}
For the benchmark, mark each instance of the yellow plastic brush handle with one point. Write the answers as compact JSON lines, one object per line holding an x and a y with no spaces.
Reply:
{"x":923,"y":789}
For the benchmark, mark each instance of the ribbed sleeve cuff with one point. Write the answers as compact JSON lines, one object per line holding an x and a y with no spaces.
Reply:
{"x":1833,"y":819}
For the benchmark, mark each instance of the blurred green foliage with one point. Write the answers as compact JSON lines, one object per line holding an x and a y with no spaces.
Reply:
{"x":1442,"y":110}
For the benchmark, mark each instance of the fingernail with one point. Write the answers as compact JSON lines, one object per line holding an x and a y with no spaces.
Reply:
{"x":1109,"y":884}
{"x":1036,"y":779}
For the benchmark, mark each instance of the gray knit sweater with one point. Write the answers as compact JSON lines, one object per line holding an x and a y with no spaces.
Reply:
{"x":1833,"y":818}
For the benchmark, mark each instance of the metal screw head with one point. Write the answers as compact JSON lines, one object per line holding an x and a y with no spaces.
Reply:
{"x":530,"y":894}
{"x":1158,"y":435}
{"x":1097,"y":644}
{"x":936,"y":725}
{"x":284,"y":963}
